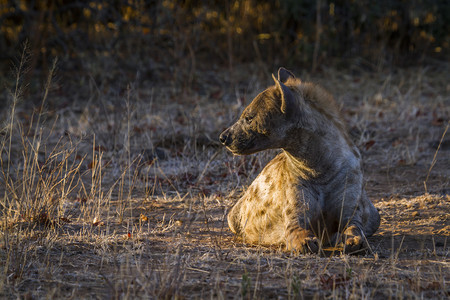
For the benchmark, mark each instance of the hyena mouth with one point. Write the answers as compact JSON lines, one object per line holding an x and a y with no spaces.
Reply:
{"x":243,"y":149}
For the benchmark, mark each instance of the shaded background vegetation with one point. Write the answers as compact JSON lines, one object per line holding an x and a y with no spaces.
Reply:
{"x":187,"y":33}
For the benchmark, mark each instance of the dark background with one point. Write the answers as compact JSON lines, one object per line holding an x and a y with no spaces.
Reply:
{"x":193,"y":34}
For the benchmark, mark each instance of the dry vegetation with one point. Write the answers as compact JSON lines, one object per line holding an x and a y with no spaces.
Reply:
{"x":115,"y":186}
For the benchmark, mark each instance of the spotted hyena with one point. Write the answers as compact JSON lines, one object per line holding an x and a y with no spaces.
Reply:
{"x":311,"y":193}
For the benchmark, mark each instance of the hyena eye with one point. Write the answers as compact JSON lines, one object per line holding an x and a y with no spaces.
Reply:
{"x":248,"y":119}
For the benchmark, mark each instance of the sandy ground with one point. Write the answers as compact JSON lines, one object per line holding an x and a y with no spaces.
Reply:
{"x":147,"y":213}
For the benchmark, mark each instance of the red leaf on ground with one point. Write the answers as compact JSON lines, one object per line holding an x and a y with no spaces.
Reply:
{"x":81,"y":200}
{"x":138,"y":129}
{"x":217,"y":94}
{"x":433,"y":286}
{"x":329,"y":282}
{"x":100,"y":148}
{"x":369,"y":144}
{"x":437,"y":121}
{"x":396,"y":143}
{"x":402,"y":162}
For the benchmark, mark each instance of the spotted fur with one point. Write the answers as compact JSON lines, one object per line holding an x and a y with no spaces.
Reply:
{"x":311,"y":194}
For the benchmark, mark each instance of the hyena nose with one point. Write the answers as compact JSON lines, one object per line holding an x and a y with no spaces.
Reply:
{"x":223,"y":138}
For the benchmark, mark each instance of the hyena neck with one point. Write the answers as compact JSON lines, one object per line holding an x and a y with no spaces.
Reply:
{"x":315,"y":155}
{"x":300,"y":167}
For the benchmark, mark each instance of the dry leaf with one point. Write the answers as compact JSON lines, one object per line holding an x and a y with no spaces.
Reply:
{"x":143,"y":218}
{"x":97,"y":222}
{"x":433,"y":286}
{"x":65,"y":220}
{"x":329,"y":282}
{"x":369,"y":144}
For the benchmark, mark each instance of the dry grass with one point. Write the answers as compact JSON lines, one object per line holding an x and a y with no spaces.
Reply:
{"x":122,"y":192}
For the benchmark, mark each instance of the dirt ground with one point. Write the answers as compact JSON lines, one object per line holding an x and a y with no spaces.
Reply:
{"x":140,"y":211}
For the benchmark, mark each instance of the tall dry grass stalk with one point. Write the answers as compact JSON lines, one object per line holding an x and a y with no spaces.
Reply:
{"x":36,"y":175}
{"x":434,"y":160}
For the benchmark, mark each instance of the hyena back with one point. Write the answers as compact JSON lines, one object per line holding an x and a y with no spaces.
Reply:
{"x":312,"y":192}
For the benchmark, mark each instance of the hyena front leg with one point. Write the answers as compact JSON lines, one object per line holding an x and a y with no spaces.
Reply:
{"x":353,"y":233}
{"x":364,"y":221}
{"x":354,"y":239}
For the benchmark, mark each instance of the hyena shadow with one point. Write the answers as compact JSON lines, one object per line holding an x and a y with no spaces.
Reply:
{"x":391,"y":245}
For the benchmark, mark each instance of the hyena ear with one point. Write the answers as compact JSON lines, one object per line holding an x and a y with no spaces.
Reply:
{"x":284,"y":75}
{"x":287,"y":99}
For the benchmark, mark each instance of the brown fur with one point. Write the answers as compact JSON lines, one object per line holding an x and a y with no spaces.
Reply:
{"x":312,"y":192}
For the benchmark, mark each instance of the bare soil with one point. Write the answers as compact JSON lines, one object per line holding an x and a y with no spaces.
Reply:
{"x":147,"y":215}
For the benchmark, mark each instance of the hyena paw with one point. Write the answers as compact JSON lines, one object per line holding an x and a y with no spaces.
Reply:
{"x":303,"y":241}
{"x":353,"y":240}
{"x":311,"y":245}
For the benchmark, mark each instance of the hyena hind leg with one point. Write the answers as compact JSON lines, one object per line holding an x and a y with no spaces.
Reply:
{"x":301,"y":240}
{"x":234,"y":218}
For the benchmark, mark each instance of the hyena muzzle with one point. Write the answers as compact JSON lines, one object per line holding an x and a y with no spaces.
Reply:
{"x":311,"y":194}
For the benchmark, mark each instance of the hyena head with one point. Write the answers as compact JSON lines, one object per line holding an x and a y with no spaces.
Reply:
{"x":264,"y":123}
